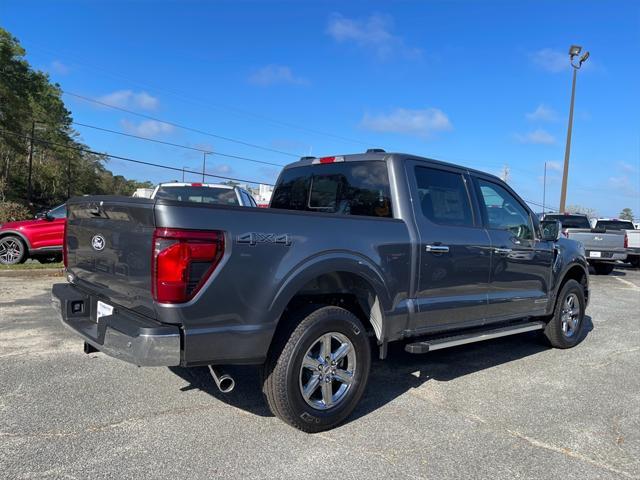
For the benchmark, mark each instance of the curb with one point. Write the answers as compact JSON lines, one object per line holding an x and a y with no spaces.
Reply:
{"x":33,"y":272}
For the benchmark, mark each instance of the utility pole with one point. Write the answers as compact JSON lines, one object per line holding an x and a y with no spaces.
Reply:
{"x":33,"y":129}
{"x":204,"y":164}
{"x":68,"y":177}
{"x":574,"y":51}
{"x":183,"y":167}
{"x":544,"y":187}
{"x":505,"y":174}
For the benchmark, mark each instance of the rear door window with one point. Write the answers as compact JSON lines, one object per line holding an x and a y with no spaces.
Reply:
{"x":347,"y":188}
{"x":443,"y":197}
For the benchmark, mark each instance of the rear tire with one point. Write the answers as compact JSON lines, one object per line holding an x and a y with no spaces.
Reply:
{"x":12,"y":250}
{"x":302,"y":386}
{"x":603,"y":268}
{"x":635,"y":261}
{"x":564,"y":330}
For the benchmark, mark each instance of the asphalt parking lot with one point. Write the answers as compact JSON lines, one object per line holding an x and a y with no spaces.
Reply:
{"x":507,"y":408}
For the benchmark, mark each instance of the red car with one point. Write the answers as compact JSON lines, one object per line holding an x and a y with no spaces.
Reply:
{"x":40,"y":238}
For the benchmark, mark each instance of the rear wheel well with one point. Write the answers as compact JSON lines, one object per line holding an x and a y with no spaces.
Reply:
{"x":342,"y":289}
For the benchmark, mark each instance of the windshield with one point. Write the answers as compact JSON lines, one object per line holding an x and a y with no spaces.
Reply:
{"x":614,"y":225}
{"x":189,"y":193}
{"x":570,"y":221}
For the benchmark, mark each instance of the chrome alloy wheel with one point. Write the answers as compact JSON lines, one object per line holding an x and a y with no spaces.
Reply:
{"x":570,"y":315}
{"x":10,"y":251}
{"x":328,"y":370}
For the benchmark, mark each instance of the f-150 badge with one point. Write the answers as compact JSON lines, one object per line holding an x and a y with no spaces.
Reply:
{"x":253,"y":238}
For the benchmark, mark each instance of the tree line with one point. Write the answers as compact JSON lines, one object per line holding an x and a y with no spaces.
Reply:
{"x":42,"y":162}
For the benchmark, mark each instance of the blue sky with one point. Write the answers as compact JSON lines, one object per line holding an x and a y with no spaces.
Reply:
{"x":483,"y":84}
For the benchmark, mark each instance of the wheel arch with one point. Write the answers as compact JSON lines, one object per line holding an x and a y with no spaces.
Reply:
{"x":575,"y":272}
{"x":25,"y":240}
{"x":345,"y":279}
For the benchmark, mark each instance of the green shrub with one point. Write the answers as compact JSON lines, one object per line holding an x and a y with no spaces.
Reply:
{"x":12,"y":211}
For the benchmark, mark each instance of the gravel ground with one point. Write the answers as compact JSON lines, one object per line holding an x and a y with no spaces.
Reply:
{"x":508,"y":408}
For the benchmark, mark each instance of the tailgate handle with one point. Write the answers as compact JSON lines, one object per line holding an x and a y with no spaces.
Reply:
{"x":437,"y":249}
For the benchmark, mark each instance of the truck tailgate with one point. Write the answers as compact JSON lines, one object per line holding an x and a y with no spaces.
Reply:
{"x":109,"y":249}
{"x":596,"y":240}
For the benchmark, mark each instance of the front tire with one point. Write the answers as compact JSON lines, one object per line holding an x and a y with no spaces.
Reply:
{"x":565,"y":328}
{"x":12,"y":250}
{"x":317,"y":372}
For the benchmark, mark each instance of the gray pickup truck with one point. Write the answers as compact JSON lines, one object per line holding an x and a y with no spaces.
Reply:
{"x":355,"y":251}
{"x":603,"y":246}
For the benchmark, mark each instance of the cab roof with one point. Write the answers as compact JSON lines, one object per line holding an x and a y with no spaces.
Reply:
{"x":376,"y":154}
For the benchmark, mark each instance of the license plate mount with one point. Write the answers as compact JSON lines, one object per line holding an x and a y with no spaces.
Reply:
{"x":103,"y":310}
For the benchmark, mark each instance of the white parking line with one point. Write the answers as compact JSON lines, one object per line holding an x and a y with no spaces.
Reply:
{"x":627,"y":282}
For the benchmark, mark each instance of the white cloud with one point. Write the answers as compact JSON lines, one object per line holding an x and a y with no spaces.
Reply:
{"x":147,"y":128}
{"x":623,"y":185}
{"x":374,"y":33}
{"x":222,"y":169}
{"x":276,"y":75}
{"x":550,"y":60}
{"x":627,"y":167}
{"x":421,"y":123}
{"x":554,"y":166}
{"x":543,"y":113}
{"x":60,"y":68}
{"x":131,"y":99}
{"x":539,"y":137}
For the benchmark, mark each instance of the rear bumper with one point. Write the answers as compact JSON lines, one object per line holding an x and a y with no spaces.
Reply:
{"x":123,"y":335}
{"x":606,"y":255}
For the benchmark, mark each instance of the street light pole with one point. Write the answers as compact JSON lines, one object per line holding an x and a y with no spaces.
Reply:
{"x":573,"y":52}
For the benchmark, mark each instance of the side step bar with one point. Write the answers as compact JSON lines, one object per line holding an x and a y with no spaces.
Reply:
{"x":478,"y":336}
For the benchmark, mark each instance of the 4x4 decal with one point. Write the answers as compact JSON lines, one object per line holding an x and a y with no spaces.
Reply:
{"x":253,"y":238}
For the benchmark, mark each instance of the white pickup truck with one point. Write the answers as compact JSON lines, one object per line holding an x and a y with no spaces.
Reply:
{"x":210,"y":193}
{"x":632,"y":236}
{"x":603,"y":247}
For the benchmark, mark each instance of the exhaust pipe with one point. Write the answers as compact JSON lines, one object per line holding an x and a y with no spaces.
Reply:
{"x":224,"y":381}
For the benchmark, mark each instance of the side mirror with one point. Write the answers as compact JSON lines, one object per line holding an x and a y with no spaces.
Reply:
{"x":550,"y":230}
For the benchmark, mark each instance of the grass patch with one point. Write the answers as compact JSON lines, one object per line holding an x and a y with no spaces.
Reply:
{"x":34,"y":265}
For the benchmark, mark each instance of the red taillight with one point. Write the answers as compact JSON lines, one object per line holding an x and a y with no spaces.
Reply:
{"x":65,"y":254}
{"x":182,"y":261}
{"x":196,"y":184}
{"x":626,"y":241}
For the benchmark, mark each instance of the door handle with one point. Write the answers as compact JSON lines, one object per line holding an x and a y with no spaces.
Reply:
{"x":502,"y":251}
{"x":437,"y":249}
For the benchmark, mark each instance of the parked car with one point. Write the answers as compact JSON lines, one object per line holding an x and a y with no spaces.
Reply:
{"x":603,"y":247}
{"x":632,"y":236}
{"x":40,"y":238}
{"x":209,"y":193}
{"x":354,"y":250}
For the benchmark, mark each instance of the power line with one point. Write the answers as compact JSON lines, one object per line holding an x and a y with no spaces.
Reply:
{"x":199,"y":102}
{"x":209,"y":152}
{"x":133,"y":160}
{"x":177,"y":125}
